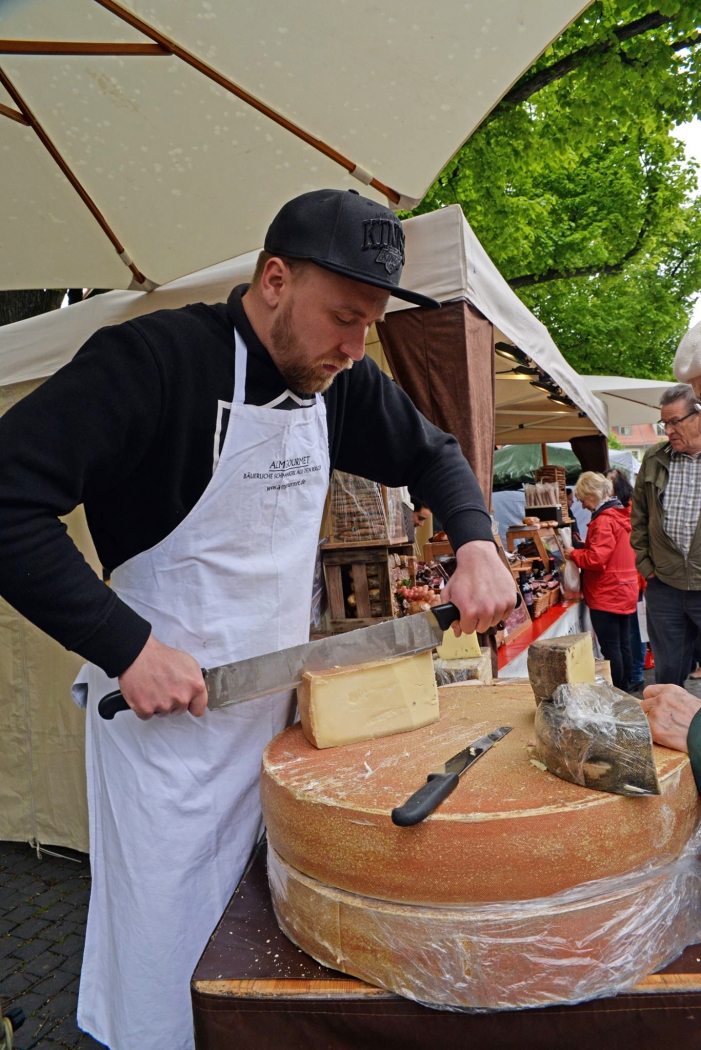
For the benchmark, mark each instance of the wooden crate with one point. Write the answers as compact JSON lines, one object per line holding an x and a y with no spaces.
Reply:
{"x":358,"y":571}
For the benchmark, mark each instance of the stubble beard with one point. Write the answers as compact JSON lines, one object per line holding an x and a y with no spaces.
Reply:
{"x":288,"y":354}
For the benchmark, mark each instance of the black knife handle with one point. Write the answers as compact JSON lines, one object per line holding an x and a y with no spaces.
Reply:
{"x":425,"y":800}
{"x":446,"y":615}
{"x":110,"y":704}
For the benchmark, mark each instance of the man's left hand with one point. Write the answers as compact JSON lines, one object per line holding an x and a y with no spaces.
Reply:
{"x":481,"y":586}
{"x":669,"y":710}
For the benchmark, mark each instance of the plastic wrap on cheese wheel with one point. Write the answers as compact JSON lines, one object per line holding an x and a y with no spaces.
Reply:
{"x":597,"y":736}
{"x":594,"y":940}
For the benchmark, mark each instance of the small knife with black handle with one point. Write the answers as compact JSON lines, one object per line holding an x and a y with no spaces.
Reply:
{"x":444,"y":781}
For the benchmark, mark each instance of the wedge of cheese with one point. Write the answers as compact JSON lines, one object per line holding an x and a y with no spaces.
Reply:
{"x":557,"y":661}
{"x":466,"y":647}
{"x":345,"y":704}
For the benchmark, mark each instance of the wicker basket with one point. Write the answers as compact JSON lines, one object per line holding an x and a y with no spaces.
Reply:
{"x":554,"y":595}
{"x":541,"y":602}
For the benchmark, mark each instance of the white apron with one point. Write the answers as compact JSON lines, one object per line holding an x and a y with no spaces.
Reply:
{"x":174,"y":802}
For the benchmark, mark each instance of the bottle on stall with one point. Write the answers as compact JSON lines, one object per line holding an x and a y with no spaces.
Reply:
{"x":526,"y":589}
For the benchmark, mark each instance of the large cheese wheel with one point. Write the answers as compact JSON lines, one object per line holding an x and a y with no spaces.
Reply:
{"x":592,"y":941}
{"x":510,"y":831}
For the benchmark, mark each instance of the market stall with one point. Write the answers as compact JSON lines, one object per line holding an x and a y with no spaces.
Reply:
{"x":444,"y":359}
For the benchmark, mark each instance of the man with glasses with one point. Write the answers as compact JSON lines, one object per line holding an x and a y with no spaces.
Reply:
{"x":666,"y":536}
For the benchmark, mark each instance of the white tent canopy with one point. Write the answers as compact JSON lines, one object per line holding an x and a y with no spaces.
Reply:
{"x":629,"y":400}
{"x":444,"y":255}
{"x":444,"y":260}
{"x":170,"y":133}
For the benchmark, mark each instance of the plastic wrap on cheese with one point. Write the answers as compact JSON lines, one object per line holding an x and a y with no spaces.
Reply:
{"x":452,"y":672}
{"x":594,"y":940}
{"x":597,"y":736}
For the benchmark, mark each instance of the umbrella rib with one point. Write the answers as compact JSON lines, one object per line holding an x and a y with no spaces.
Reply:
{"x":32,"y":121}
{"x":13,"y":114}
{"x":621,"y":397}
{"x":68,"y":47}
{"x":202,"y":67}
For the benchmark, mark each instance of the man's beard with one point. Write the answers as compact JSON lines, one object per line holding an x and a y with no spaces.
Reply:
{"x":288,"y":355}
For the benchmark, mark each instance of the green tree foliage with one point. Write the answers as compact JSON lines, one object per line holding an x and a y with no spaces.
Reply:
{"x":582,"y":196}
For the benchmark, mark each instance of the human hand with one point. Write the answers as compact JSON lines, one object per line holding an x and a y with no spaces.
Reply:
{"x":650,"y":575}
{"x":669,"y":710}
{"x":163,"y":681}
{"x":568,"y":551}
{"x":481,"y":586}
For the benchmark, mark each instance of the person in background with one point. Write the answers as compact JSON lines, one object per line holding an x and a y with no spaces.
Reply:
{"x":666,"y":537}
{"x":623,"y":491}
{"x":577,"y":541}
{"x":610,"y":580}
{"x":421,"y":512}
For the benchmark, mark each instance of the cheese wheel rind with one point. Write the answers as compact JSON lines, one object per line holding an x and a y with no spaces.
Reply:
{"x":589,"y":942}
{"x":509,"y":831}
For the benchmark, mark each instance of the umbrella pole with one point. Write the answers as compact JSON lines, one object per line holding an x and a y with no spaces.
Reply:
{"x":544,"y":453}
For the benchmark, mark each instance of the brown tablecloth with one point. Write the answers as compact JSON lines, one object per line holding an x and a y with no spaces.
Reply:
{"x":254,"y":989}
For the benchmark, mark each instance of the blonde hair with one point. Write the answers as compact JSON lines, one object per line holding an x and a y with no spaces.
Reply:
{"x":593,"y":486}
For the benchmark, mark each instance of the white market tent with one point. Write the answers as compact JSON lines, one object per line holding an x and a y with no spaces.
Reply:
{"x":629,"y":400}
{"x":444,"y":260}
{"x":147,"y":138}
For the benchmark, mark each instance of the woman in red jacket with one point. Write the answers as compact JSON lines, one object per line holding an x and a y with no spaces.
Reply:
{"x":610,"y":579}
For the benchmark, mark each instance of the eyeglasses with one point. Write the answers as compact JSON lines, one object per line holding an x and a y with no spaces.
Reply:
{"x":664,"y":423}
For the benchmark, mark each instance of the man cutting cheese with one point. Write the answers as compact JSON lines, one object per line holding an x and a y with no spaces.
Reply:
{"x":200,"y":441}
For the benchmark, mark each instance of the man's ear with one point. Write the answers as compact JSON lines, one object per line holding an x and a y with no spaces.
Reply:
{"x":275,"y":277}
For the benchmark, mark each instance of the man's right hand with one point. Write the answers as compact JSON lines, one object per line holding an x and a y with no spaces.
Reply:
{"x":163,"y":681}
{"x":669,"y":710}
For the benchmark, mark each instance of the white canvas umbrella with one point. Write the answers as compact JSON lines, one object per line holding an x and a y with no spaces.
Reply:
{"x":151,"y":138}
{"x":629,"y":400}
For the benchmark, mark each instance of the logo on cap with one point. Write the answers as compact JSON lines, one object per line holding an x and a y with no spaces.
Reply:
{"x":386,"y":237}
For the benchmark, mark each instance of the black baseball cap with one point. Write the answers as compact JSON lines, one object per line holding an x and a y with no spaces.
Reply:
{"x":348,"y":234}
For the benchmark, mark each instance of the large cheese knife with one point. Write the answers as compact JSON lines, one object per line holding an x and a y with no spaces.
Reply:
{"x":276,"y":672}
{"x":444,"y":781}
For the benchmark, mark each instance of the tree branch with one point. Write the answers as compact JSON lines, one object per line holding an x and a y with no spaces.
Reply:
{"x":690,"y":41}
{"x":530,"y":279}
{"x":530,"y":85}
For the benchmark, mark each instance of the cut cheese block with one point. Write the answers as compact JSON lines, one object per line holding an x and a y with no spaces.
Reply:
{"x":509,"y":831}
{"x":347,"y":704}
{"x":592,"y":943}
{"x":466,"y":647}
{"x":558,"y":661}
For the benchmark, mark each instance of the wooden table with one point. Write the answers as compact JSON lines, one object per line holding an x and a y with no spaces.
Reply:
{"x":254,"y":989}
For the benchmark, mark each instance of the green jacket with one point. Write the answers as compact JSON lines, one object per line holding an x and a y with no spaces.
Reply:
{"x":654,"y":550}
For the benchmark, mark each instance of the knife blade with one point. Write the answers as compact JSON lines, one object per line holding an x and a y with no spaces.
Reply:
{"x":243,"y":680}
{"x":444,"y":781}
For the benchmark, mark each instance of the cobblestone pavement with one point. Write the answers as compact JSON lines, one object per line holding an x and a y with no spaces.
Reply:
{"x":43,"y":908}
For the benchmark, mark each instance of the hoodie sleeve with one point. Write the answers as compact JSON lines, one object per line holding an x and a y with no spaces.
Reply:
{"x":81,"y":431}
